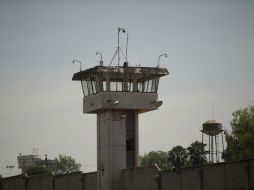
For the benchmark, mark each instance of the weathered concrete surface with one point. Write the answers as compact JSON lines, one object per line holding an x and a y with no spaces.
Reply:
{"x":89,"y":181}
{"x":237,"y":175}
{"x":214,"y":177}
{"x":185,"y":179}
{"x":33,"y":183}
{"x":14,"y":183}
{"x":190,"y":179}
{"x":140,"y":178}
{"x":251,"y":174}
{"x":127,"y":101}
{"x":170,"y":180}
{"x":111,"y":135}
{"x":47,"y":182}
{"x":68,"y":182}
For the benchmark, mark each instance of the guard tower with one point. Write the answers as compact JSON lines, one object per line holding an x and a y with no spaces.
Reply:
{"x":118,"y":94}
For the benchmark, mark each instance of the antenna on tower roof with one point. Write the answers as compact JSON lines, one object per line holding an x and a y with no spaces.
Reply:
{"x":164,"y":54}
{"x":77,"y":61}
{"x":127,"y":41}
{"x":213,"y":110}
{"x":118,"y":42}
{"x":101,"y":62}
{"x":118,"y":50}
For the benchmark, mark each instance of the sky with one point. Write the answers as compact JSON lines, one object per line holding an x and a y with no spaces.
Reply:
{"x":210,"y":47}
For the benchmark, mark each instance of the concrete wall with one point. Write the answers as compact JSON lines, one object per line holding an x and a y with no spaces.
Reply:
{"x":230,"y":176}
{"x":34,"y":183}
{"x":223,"y":176}
{"x":251,"y":172}
{"x":89,"y":181}
{"x":14,"y":183}
{"x":68,"y":181}
{"x":214,"y":177}
{"x":140,"y":178}
{"x":73,"y":181}
{"x":190,"y":179}
{"x":186,"y":179}
{"x":40,"y":182}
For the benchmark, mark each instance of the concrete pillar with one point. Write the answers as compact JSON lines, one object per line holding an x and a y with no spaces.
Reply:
{"x":117,"y":146}
{"x":111,"y":149}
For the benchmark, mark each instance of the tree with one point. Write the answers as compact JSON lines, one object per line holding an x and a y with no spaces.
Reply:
{"x":65,"y":164}
{"x":158,"y":158}
{"x":240,"y":143}
{"x":178,"y":156}
{"x":226,"y":155}
{"x":197,"y":153}
{"x":35,"y":170}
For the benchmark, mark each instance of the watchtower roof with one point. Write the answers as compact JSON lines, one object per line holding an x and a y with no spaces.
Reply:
{"x":121,"y":71}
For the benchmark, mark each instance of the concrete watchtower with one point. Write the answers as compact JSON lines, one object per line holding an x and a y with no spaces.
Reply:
{"x":117,"y":94}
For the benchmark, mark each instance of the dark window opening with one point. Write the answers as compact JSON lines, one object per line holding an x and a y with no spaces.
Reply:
{"x":130,"y":145}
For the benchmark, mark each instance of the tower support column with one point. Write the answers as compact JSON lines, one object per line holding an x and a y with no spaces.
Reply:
{"x":111,"y":149}
{"x":117,"y":146}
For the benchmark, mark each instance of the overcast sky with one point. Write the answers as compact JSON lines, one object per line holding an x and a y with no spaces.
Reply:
{"x":210,"y":47}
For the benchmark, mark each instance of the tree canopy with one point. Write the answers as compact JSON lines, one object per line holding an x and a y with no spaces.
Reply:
{"x":178,"y":156}
{"x":197,"y":153}
{"x":240,"y":142}
{"x":158,"y":158}
{"x":35,"y":170}
{"x":65,"y":164}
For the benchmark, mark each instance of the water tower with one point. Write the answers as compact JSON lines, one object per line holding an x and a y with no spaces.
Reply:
{"x":117,"y":95}
{"x":212,"y":129}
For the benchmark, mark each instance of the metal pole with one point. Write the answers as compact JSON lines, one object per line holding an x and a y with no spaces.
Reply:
{"x":78,"y":62}
{"x":127,"y":47}
{"x":209,"y":147}
{"x":222,"y":141}
{"x":166,"y":55}
{"x":212,"y":149}
{"x":118,"y":46}
{"x":216,"y":149}
{"x":100,"y":62}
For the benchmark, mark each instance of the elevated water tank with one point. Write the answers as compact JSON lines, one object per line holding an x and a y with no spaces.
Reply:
{"x":212,"y":127}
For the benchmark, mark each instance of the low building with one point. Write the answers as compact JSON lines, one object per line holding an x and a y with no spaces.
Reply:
{"x":27,"y":161}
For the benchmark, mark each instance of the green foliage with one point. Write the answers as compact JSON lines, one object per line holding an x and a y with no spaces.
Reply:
{"x":36,"y":170}
{"x":65,"y":164}
{"x":178,"y":156}
{"x":240,"y":143}
{"x":158,"y":158}
{"x":197,"y":153}
{"x":226,"y":155}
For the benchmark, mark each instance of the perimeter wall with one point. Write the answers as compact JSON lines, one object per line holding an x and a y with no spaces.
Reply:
{"x":222,"y":176}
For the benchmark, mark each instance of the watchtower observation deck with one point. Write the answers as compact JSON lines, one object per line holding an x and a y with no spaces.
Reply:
{"x":120,"y":87}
